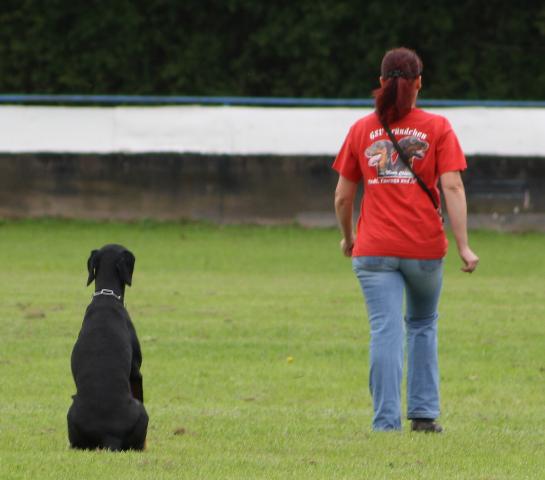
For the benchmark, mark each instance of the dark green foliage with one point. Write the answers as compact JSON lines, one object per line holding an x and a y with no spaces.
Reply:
{"x":304,"y":48}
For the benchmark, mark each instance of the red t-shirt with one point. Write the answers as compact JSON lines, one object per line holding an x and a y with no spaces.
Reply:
{"x":397,"y":217}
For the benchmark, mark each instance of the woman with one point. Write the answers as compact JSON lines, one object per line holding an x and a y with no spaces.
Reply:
{"x":400,"y":241}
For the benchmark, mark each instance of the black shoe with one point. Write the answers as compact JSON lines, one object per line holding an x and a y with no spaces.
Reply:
{"x":425,"y":425}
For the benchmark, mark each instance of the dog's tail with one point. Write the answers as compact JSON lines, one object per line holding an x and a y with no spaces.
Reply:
{"x":112,"y":443}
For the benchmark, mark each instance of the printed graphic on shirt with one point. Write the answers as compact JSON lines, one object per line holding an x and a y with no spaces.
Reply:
{"x":390,"y":168}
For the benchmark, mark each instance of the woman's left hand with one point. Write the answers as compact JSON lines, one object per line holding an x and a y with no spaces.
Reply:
{"x":469,"y":259}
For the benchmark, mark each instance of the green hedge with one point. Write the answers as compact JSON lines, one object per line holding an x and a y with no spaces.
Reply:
{"x":303,"y":48}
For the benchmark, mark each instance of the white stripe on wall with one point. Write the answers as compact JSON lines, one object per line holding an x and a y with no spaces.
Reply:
{"x":244,"y":130}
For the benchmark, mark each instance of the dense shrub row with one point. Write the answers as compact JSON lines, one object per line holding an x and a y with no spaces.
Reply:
{"x":304,"y":48}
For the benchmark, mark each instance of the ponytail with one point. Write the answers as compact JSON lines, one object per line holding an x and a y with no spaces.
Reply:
{"x":399,"y":70}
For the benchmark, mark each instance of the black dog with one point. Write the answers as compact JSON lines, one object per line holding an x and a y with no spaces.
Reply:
{"x":107,"y":410}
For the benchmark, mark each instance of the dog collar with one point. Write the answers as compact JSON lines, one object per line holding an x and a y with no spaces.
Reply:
{"x":107,"y":292}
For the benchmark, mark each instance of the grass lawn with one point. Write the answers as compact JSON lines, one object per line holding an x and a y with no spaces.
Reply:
{"x":219,"y":311}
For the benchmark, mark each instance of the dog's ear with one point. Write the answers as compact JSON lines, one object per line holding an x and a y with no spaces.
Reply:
{"x":125,"y":267}
{"x":92,"y":263}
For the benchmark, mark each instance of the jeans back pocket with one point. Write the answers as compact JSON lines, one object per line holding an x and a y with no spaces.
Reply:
{"x":430,"y":265}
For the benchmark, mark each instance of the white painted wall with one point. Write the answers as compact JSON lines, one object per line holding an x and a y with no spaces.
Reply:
{"x":244,"y":130}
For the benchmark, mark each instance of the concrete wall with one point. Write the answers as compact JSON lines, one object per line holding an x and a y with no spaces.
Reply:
{"x":505,"y":193}
{"x":264,"y":189}
{"x":238,"y":164}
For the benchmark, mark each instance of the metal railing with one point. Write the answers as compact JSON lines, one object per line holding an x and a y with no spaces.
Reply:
{"x":154,"y":100}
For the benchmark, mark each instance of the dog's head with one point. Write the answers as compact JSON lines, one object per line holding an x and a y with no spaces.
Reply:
{"x":378,"y":153}
{"x":413,"y":146}
{"x":111,"y":261}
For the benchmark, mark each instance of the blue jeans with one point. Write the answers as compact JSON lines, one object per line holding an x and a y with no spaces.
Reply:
{"x":383,"y":281}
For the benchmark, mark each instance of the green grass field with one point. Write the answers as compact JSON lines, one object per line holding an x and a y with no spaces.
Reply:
{"x":219,"y":310}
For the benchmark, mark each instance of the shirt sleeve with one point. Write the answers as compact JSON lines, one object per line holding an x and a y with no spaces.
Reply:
{"x":346,"y":163}
{"x":450,"y":156}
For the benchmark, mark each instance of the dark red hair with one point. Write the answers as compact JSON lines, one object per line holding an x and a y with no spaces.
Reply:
{"x":400,"y":68}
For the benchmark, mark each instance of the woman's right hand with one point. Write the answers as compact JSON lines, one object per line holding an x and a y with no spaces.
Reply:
{"x":469,"y":259}
{"x":347,"y":246}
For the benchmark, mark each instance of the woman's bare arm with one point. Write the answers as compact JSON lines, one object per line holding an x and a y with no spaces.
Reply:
{"x":344,"y":206}
{"x":455,"y":197}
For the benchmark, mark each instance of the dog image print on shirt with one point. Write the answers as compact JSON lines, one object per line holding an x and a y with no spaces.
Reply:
{"x":383,"y":155}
